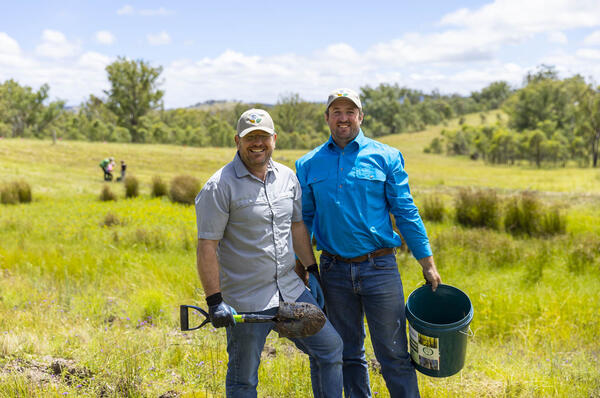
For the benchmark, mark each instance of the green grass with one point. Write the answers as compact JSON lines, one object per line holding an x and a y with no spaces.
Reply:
{"x":98,"y":284}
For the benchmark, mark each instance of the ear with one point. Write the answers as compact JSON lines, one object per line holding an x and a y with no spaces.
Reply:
{"x":360,"y":117}
{"x":237,"y":140}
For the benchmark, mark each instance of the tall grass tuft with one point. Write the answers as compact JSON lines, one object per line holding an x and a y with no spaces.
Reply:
{"x":184,"y":189}
{"x":158,"y":187}
{"x":477,"y":208}
{"x":23,"y":190}
{"x":131,"y":187}
{"x":15,"y":192}
{"x":8,"y":194}
{"x":553,"y":222}
{"x":110,"y":219}
{"x":433,"y":209}
{"x":107,"y":194}
{"x":523,"y":214}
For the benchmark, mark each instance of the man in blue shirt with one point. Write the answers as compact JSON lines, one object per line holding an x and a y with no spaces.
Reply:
{"x":350,"y":185}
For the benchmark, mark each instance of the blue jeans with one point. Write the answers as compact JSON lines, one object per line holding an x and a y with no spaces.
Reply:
{"x":372,"y":288}
{"x":245,"y":342}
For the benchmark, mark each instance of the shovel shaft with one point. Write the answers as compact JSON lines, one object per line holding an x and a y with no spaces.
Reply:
{"x":253,"y":318}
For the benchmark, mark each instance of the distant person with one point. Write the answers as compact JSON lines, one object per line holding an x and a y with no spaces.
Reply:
{"x":249,"y":218}
{"x":123,"y":170}
{"x":350,"y":185}
{"x":107,"y":166}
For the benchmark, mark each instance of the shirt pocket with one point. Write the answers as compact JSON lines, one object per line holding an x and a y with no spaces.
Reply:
{"x":370,"y":174}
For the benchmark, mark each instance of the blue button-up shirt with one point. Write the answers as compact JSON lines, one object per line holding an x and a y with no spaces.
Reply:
{"x":348,"y":195}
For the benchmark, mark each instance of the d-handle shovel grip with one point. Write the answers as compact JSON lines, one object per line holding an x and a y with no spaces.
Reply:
{"x":184,"y":317}
{"x":239,"y":318}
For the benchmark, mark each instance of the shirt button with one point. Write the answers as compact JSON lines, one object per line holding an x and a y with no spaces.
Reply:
{"x":340,"y":185}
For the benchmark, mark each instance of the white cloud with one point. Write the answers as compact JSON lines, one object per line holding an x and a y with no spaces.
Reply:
{"x":593,"y":39}
{"x":105,"y":37}
{"x":8,"y":45}
{"x":55,"y":45}
{"x":588,"y":53}
{"x":531,"y":16}
{"x":147,"y":12}
{"x":125,"y":10}
{"x":557,"y":37}
{"x":159,"y":39}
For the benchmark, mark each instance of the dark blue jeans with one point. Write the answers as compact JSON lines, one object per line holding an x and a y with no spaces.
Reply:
{"x":372,"y":288}
{"x":245,"y":342}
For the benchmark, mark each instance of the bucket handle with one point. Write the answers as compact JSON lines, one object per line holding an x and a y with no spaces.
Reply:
{"x":469,"y":334}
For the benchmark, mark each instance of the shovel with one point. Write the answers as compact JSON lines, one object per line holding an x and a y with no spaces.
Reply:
{"x":292,"y":320}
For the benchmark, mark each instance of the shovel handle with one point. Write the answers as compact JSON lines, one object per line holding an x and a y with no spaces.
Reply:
{"x":184,"y":317}
{"x":253,"y":318}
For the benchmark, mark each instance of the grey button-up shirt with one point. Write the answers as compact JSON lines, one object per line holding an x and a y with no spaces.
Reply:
{"x":252,"y":220}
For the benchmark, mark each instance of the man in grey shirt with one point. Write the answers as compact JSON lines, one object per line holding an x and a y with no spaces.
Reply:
{"x":249,"y":218}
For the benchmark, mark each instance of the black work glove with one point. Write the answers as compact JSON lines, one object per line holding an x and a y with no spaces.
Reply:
{"x":219,"y":313}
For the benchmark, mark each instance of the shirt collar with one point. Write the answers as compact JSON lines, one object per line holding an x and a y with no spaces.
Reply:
{"x":358,"y":142}
{"x":241,"y":170}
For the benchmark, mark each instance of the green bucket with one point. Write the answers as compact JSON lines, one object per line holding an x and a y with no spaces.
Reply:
{"x":438,"y":324}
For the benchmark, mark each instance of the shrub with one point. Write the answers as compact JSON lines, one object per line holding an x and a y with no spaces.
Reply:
{"x":159,"y":187}
{"x":131,"y":187}
{"x":184,"y":189}
{"x":433,"y":209}
{"x":477,"y":208}
{"x":23,"y":190}
{"x":107,"y":194}
{"x":8,"y":194}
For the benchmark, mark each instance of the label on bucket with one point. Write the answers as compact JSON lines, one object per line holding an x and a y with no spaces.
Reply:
{"x":424,"y":350}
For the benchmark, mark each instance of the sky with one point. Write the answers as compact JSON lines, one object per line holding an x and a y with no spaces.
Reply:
{"x":262,"y":51}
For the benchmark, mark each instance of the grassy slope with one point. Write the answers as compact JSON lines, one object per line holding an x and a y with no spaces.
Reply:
{"x":107,"y":297}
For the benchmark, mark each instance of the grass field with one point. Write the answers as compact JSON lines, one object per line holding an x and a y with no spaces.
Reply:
{"x":90,"y":308}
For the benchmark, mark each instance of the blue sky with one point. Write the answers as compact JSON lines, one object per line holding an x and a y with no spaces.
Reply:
{"x":261,"y":50}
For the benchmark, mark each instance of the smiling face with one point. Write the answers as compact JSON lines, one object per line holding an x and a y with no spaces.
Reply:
{"x":344,"y":119}
{"x":255,"y":150}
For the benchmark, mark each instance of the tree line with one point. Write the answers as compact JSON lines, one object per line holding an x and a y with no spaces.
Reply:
{"x":551,"y":121}
{"x":132,"y":111}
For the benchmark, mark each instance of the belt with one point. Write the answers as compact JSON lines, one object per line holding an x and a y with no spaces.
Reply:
{"x":364,"y":257}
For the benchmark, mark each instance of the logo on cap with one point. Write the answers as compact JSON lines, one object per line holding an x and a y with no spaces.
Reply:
{"x":342,"y":94}
{"x":254,"y":118}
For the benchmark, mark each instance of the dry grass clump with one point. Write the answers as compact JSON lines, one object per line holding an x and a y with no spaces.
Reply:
{"x":184,"y":189}
{"x":433,"y":209}
{"x":107,"y":194}
{"x":478,"y":208}
{"x":525,"y":215}
{"x":131,"y":187}
{"x":158,"y":187}
{"x":15,"y":192}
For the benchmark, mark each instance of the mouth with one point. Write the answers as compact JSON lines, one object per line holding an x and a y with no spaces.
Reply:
{"x":256,"y":150}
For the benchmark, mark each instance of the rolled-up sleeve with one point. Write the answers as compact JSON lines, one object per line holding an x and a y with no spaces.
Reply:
{"x":403,"y":207}
{"x":212,"y":211}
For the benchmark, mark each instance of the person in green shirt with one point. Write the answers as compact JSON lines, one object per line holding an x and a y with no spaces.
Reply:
{"x":107,"y":166}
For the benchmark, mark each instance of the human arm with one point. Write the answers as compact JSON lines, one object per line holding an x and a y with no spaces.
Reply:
{"x":303,"y":250}
{"x":208,"y":266}
{"x":219,"y":312}
{"x":430,"y":272}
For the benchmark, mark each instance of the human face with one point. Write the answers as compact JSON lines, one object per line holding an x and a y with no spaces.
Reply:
{"x":344,"y":119}
{"x":255,"y":149}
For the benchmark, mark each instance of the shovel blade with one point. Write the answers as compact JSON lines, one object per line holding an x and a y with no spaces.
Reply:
{"x":298,"y":320}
